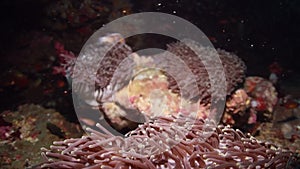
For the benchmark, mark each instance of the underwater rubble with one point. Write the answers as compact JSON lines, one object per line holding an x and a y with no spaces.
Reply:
{"x":24,"y":131}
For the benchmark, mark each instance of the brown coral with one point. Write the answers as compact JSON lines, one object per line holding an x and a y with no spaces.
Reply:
{"x":234,"y":68}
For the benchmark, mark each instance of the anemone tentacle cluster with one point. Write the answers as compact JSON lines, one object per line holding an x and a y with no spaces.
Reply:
{"x":167,"y":142}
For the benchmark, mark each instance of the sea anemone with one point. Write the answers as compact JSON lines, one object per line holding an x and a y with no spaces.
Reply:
{"x":167,"y":142}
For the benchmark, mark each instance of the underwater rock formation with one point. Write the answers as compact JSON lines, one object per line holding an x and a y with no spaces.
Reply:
{"x":251,"y":105}
{"x":263,"y":93}
{"x":28,"y":129}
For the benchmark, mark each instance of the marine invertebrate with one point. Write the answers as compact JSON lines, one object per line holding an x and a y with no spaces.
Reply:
{"x":275,"y":72}
{"x":254,"y":103}
{"x":113,"y":79}
{"x":239,"y":101}
{"x":263,"y":93}
{"x":170,"y":141}
{"x":237,"y":104}
{"x":234,"y":68}
{"x":167,"y":142}
{"x":143,"y":99}
{"x":5,"y":132}
{"x":66,"y":60}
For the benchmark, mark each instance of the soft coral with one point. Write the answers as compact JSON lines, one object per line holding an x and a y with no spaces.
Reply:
{"x":66,"y":59}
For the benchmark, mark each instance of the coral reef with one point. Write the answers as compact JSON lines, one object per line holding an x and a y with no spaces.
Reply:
{"x":226,"y":147}
{"x":132,"y":63}
{"x":167,"y":142}
{"x":284,"y":129}
{"x":247,"y":107}
{"x":238,"y":102}
{"x":233,"y":66}
{"x":30,"y":73}
{"x":263,"y":93}
{"x":24,"y":131}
